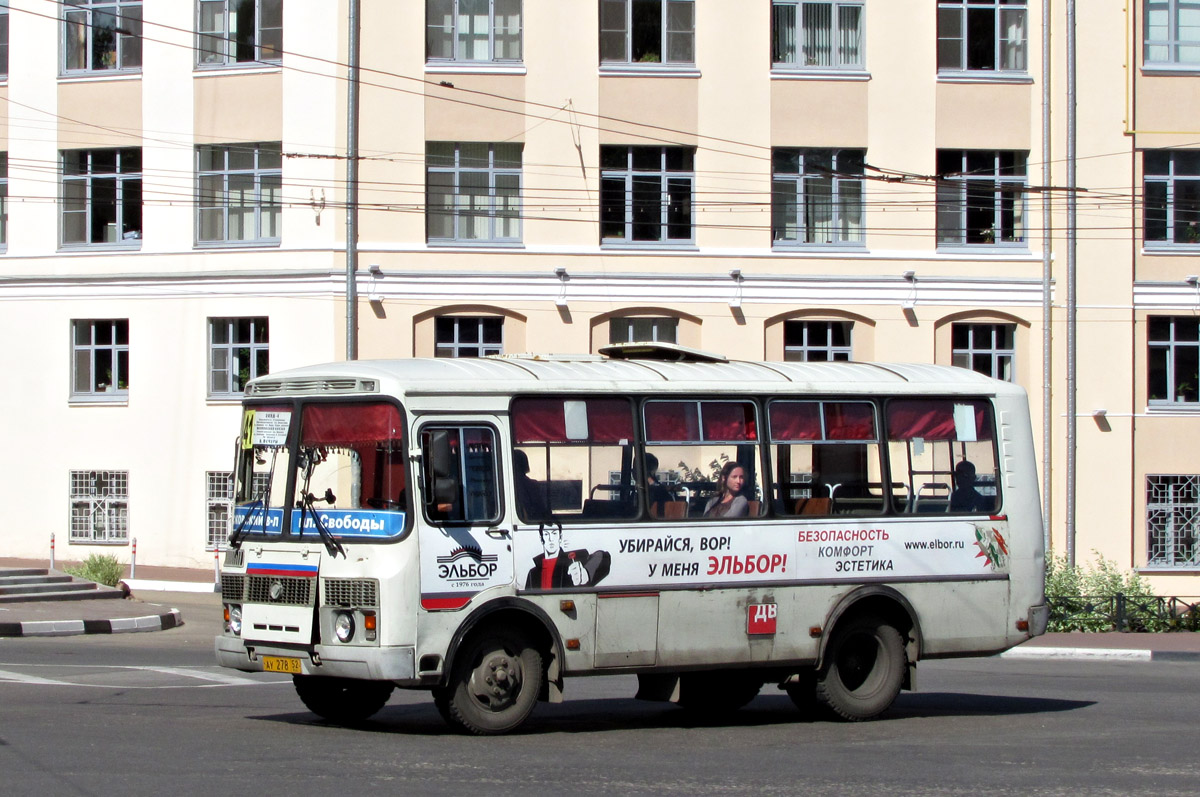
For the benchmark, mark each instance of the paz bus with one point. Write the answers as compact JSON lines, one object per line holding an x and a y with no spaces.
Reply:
{"x":485,"y":528}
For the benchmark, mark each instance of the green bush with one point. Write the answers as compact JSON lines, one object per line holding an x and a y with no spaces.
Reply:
{"x":1084,"y":598}
{"x":101,"y":568}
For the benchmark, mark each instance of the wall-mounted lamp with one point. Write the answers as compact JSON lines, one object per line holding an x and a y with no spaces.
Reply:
{"x":735,"y":303}
{"x":1099,"y":413}
{"x":375,"y":270}
{"x":561,"y":273}
{"x":911,"y":276}
{"x":1192,"y":279}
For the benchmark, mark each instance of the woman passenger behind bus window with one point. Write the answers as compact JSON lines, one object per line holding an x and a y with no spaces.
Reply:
{"x":729,"y":501}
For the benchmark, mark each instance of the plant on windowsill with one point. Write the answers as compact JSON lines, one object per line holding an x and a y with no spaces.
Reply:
{"x":650,"y":58}
{"x":988,"y":235}
{"x":1191,"y":233}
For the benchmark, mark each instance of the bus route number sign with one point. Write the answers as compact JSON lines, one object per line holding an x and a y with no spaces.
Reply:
{"x":760,"y":619}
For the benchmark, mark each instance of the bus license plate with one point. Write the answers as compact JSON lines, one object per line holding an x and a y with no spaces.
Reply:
{"x":280,"y":664}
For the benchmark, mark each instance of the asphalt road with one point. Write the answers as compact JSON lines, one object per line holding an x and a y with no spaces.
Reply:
{"x":150,"y":714}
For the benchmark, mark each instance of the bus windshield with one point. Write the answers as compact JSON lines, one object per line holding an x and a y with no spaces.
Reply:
{"x":348,"y":463}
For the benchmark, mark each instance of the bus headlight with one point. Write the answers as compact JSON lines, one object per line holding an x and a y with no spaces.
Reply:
{"x":343,"y":626}
{"x":233,"y":619}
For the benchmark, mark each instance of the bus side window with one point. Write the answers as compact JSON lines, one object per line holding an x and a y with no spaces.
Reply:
{"x":944,"y":451}
{"x":460,"y":483}
{"x":827,"y":458}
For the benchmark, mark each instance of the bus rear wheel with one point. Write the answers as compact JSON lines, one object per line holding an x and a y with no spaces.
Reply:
{"x":344,"y":701}
{"x":864,"y":669}
{"x":494,"y":683}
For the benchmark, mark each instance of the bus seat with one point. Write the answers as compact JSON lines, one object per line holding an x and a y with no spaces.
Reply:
{"x":675,"y":509}
{"x":752,"y":508}
{"x":812,"y":506}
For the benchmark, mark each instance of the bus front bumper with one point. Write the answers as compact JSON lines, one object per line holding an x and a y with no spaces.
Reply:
{"x":394,"y":664}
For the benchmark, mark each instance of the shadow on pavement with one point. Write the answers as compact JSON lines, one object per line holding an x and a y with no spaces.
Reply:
{"x":622,"y":714}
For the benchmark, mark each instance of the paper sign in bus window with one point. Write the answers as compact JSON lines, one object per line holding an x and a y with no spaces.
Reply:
{"x":964,"y":423}
{"x":271,"y":428}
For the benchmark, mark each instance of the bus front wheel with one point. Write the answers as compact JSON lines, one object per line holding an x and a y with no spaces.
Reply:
{"x":342,"y":700}
{"x":494,"y":683}
{"x":864,"y":669}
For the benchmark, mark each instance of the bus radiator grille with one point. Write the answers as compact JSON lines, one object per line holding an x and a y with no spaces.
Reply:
{"x":351,"y":592}
{"x":295,"y":591}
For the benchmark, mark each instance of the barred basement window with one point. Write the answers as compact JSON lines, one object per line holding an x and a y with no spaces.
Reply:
{"x":1172,"y":517}
{"x":219,"y":505}
{"x":100,"y":506}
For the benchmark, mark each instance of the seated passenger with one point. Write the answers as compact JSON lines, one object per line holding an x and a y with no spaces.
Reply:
{"x":657,"y":496}
{"x":729,"y":501}
{"x":965,"y":497}
{"x":531,"y":498}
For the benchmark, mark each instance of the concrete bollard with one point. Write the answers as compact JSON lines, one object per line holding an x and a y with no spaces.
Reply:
{"x":133,"y":560}
{"x":217,"y":568}
{"x":52,"y":550}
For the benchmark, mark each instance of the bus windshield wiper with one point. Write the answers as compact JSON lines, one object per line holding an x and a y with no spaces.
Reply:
{"x":307,"y":507}
{"x":235,"y":539}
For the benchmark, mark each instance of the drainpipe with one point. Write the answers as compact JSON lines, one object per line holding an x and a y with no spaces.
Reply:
{"x":1072,"y":306}
{"x":1047,"y":284}
{"x":352,"y":186}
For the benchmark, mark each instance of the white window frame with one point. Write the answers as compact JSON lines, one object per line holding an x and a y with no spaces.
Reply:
{"x":99,"y":506}
{"x":659,"y":327}
{"x":497,"y":197}
{"x":84,"y":348}
{"x":257,"y":186}
{"x":959,"y":183}
{"x":986,"y":340}
{"x":239,"y":355}
{"x":1009,"y":39}
{"x":1175,"y":348}
{"x":1172,"y":520}
{"x":800,"y":186}
{"x":627,"y":176}
{"x":1165,"y":194}
{"x":456,"y":346}
{"x":86,"y":23}
{"x":451,"y":24}
{"x":4,"y":32}
{"x":80,"y":188}
{"x":218,"y":46}
{"x":1164,"y":43}
{"x":676,"y":43}
{"x":797,"y":41}
{"x":816,"y":338}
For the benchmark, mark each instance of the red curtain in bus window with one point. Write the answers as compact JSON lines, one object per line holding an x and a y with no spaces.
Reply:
{"x":728,"y":421}
{"x":849,"y":421}
{"x":537,"y":420}
{"x":795,"y":420}
{"x":347,"y":424}
{"x":933,"y":419}
{"x":672,"y":422}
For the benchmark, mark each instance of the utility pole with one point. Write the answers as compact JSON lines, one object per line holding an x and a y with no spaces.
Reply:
{"x":352,"y":186}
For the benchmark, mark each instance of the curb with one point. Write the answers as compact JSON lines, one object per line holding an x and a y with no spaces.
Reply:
{"x":157,"y":585}
{"x":1100,"y":654}
{"x":123,"y":625}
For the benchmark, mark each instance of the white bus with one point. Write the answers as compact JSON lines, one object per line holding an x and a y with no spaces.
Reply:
{"x":484,"y":528}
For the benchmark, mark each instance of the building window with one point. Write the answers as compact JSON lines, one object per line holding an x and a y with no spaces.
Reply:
{"x":3,"y":39}
{"x":1174,"y":359}
{"x":100,"y":357}
{"x":218,"y":496}
{"x":473,"y":30}
{"x":101,"y":196}
{"x":237,"y":352}
{"x":1172,"y":518}
{"x":808,"y":35}
{"x":102,"y":35}
{"x":100,"y":506}
{"x":1172,"y":32}
{"x":1172,"y":196}
{"x":640,"y":330}
{"x":982,"y":35}
{"x":238,"y":192}
{"x":461,"y":336}
{"x":239,"y":31}
{"x":647,"y":32}
{"x":3,"y":200}
{"x":646,"y":194}
{"x":980,"y":197}
{"x":985,"y":348}
{"x":473,"y":192}
{"x":817,"y":196}
{"x":816,"y":341}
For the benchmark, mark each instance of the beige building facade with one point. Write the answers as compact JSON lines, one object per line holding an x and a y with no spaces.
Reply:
{"x":852,"y":179}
